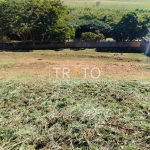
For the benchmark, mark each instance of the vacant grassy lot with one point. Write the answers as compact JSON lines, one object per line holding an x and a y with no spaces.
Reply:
{"x":111,"y":4}
{"x":39,"y":111}
{"x":25,"y":66}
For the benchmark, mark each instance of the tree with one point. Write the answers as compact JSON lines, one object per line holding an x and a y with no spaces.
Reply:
{"x":143,"y":27}
{"x":61,"y":31}
{"x":92,"y":26}
{"x":47,"y":13}
{"x":34,"y":19}
{"x":15,"y":15}
{"x":129,"y":28}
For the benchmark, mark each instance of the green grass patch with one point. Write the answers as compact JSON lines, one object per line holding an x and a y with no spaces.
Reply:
{"x":75,"y":115}
{"x":111,"y":4}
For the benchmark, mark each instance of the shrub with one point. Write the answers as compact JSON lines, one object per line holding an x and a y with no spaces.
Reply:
{"x":99,"y":37}
{"x":91,"y":37}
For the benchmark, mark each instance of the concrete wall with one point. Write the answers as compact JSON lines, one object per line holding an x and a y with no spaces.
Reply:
{"x":145,"y":46}
{"x":56,"y":45}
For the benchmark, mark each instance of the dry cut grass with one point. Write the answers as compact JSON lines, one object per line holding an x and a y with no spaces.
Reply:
{"x":111,"y":115}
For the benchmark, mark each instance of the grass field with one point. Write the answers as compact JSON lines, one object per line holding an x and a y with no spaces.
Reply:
{"x":111,"y":4}
{"x":42,"y":112}
{"x":112,"y":65}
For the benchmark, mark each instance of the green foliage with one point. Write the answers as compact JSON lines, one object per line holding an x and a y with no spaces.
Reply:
{"x":129,"y":28}
{"x":93,"y":25}
{"x":16,"y":17}
{"x":81,"y":15}
{"x":99,"y":37}
{"x":46,"y":20}
{"x":88,"y":37}
{"x":62,"y":31}
{"x":88,"y":19}
{"x":32,"y":19}
{"x":75,"y":115}
{"x":91,"y":37}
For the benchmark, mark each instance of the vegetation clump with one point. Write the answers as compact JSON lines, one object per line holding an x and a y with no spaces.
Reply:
{"x":92,"y":37}
{"x":130,"y":28}
{"x":34,"y":20}
{"x":75,"y":115}
{"x":51,"y":20}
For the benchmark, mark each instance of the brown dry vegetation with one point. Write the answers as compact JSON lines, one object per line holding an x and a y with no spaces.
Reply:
{"x":39,"y":64}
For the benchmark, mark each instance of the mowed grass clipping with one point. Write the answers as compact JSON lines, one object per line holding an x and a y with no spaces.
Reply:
{"x":75,"y":115}
{"x":111,"y":4}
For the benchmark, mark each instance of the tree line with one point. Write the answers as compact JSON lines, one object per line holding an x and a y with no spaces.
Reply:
{"x":42,"y":20}
{"x":45,"y":20}
{"x":119,"y":24}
